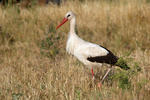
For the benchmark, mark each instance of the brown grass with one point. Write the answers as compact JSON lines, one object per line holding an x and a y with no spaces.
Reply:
{"x":26,"y":73}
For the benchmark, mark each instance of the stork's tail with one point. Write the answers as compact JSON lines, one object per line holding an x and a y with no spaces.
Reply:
{"x":122,"y":64}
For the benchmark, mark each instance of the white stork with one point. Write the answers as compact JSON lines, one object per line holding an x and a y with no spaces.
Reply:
{"x":89,"y":54}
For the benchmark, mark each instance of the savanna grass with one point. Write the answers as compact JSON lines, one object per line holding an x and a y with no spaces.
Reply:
{"x":35,"y":66}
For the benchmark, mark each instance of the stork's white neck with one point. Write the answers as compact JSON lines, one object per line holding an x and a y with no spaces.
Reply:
{"x":72,"y":25}
{"x":73,"y":40}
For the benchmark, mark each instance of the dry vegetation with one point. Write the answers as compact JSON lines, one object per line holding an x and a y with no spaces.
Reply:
{"x":35,"y":66}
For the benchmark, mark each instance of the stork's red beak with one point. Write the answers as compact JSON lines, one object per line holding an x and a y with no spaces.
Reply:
{"x":64,"y":20}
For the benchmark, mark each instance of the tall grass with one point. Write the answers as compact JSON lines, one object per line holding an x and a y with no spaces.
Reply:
{"x":35,"y":66}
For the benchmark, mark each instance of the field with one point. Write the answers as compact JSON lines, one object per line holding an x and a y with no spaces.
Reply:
{"x":35,"y":66}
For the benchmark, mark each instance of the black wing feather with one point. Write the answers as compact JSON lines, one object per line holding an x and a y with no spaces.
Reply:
{"x":110,"y":58}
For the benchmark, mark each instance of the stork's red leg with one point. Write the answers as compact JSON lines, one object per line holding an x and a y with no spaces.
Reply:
{"x":105,"y":75}
{"x":100,"y":83}
{"x":92,"y":73}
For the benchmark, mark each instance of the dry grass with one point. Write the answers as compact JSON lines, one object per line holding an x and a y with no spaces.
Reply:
{"x":35,"y":66}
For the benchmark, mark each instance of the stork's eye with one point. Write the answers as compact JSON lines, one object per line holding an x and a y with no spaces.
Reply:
{"x":68,"y":15}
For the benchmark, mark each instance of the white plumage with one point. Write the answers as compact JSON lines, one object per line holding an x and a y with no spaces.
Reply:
{"x":83,"y":49}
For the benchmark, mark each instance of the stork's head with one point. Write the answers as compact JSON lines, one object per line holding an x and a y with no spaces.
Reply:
{"x":67,"y":17}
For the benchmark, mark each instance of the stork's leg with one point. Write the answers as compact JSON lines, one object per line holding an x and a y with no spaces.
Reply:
{"x":92,"y":73}
{"x":105,"y":75}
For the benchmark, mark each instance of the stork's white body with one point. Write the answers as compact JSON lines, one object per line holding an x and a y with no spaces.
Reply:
{"x":82,"y":49}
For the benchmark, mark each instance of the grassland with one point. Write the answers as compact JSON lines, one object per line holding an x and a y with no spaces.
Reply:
{"x":35,"y":66}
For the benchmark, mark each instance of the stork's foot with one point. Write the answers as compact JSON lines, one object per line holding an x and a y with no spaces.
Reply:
{"x":99,"y":85}
{"x":93,"y":78}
